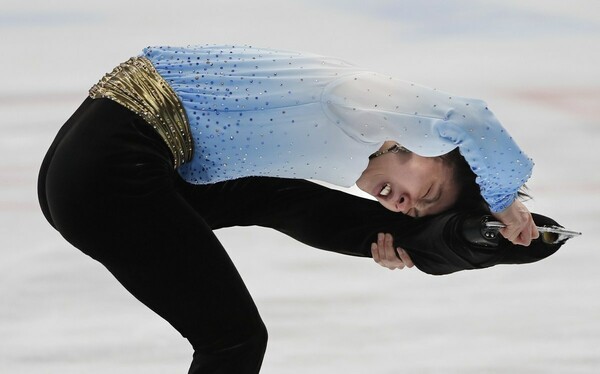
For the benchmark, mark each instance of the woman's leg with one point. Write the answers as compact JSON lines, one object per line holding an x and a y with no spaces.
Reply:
{"x":108,"y":189}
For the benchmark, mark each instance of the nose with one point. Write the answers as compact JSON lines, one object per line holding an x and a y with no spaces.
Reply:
{"x":403,"y":203}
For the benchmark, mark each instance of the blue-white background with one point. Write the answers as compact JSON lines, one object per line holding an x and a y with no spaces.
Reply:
{"x":534,"y":62}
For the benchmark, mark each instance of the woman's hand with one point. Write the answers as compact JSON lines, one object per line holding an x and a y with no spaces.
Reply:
{"x":520,"y":228}
{"x":385,"y":255}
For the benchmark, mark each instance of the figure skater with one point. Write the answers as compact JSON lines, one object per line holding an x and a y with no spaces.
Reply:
{"x":128,"y":177}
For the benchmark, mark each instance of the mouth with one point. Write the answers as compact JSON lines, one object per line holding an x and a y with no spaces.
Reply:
{"x":383,"y":190}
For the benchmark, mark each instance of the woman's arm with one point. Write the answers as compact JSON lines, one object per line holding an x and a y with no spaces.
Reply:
{"x":339,"y":222}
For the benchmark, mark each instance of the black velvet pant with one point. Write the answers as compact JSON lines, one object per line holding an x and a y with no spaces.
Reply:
{"x":107,"y":184}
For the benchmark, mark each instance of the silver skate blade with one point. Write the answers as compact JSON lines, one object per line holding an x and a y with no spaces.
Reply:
{"x":549,"y":234}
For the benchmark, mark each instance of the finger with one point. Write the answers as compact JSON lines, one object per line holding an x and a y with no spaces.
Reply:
{"x":391,"y":254}
{"x":381,"y":245}
{"x":405,"y":258}
{"x":513,"y":237}
{"x":525,"y":236}
{"x":381,"y":249}
{"x":522,"y":237}
{"x":525,"y":239}
{"x":535,"y":233}
{"x":508,"y":233}
{"x":375,"y":253}
{"x":380,"y":239}
{"x":384,"y":253}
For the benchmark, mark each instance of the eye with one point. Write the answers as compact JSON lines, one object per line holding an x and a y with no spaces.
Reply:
{"x":427,"y":193}
{"x":385,"y":191}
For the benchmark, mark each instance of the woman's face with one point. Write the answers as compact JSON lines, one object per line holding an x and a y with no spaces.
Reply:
{"x":408,"y":183}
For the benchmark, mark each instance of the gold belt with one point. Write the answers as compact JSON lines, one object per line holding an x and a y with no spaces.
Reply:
{"x":136,"y":85}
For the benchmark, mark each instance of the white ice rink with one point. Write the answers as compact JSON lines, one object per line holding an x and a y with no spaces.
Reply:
{"x":536,"y":63}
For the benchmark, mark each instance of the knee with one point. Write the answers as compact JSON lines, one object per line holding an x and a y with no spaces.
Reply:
{"x":255,"y":345}
{"x":260,"y":338}
{"x":252,"y":338}
{"x":245,"y":349}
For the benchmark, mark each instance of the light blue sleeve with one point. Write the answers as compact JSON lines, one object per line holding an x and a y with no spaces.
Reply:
{"x":372,"y":108}
{"x":500,"y":165}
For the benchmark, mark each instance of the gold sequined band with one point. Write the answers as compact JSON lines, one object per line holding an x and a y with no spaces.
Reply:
{"x":137,"y":85}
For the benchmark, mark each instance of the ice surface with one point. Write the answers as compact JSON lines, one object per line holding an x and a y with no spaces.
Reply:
{"x":535,"y":63}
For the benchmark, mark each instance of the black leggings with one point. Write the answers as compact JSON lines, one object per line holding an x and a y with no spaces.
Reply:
{"x":108,"y":186}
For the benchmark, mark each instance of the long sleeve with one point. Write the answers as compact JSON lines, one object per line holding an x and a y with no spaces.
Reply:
{"x":372,"y":108}
{"x":339,"y":222}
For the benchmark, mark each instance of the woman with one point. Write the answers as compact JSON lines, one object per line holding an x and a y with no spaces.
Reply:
{"x":123,"y":180}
